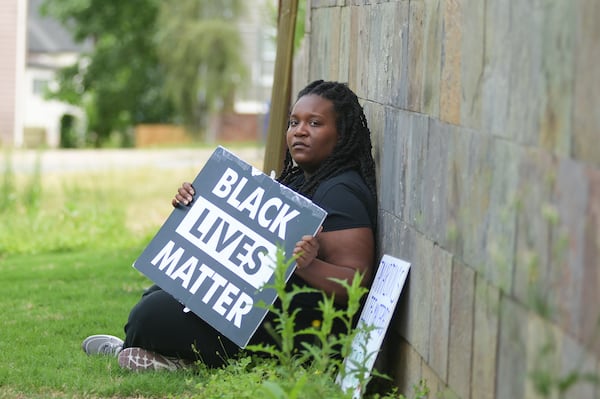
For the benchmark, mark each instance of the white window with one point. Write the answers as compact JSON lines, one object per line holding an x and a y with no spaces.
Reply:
{"x":40,"y":86}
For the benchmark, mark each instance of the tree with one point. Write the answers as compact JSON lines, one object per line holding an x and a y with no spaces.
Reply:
{"x":200,"y":46}
{"x":152,"y":60}
{"x":274,"y":12}
{"x":120,"y":82}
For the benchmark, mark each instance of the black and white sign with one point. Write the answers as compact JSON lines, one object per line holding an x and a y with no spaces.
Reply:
{"x":373,"y":323}
{"x":216,"y":255}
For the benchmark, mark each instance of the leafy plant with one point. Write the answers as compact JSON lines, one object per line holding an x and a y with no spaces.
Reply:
{"x":8,"y":188}
{"x":322,"y":356}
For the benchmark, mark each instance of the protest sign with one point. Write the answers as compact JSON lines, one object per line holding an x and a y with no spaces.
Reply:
{"x":216,"y":255}
{"x":373,"y":323}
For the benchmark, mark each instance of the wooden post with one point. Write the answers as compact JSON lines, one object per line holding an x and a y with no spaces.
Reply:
{"x":282,"y":86}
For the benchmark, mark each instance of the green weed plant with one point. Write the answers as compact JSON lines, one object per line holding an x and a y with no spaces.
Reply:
{"x":319,"y":358}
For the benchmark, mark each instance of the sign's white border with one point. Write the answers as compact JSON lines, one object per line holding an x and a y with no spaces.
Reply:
{"x":373,"y":323}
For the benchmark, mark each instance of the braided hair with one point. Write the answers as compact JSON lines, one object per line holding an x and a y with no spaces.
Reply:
{"x":353,"y":149}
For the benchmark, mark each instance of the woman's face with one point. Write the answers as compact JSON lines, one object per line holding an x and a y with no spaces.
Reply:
{"x":312,"y":133}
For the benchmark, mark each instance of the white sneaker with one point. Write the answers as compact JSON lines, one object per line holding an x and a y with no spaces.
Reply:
{"x":102,"y":344}
{"x":138,"y":359}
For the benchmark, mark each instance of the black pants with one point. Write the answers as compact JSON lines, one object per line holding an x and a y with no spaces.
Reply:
{"x":157,"y":323}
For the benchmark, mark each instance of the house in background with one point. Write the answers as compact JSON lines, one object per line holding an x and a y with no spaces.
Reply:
{"x":50,"y":47}
{"x":13,"y":15}
{"x":34,"y":48}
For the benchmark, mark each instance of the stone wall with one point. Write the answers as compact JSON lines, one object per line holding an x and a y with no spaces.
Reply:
{"x":486,"y":123}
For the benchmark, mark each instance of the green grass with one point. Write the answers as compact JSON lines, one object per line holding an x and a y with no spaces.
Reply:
{"x":67,"y":243}
{"x":50,"y":302}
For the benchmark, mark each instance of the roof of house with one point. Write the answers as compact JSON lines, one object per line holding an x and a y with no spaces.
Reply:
{"x":46,"y":35}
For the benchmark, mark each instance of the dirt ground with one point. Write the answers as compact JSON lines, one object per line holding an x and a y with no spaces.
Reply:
{"x":26,"y":161}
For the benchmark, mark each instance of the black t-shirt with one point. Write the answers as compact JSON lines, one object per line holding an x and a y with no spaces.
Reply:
{"x":349,"y":204}
{"x":347,"y":200}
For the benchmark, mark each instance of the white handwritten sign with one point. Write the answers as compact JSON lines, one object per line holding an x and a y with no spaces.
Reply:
{"x":216,"y":255}
{"x":373,"y":323}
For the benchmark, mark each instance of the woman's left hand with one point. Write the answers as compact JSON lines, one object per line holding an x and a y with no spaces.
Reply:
{"x":307,"y":250}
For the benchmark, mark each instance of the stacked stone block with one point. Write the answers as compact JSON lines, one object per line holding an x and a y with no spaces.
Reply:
{"x":486,"y":127}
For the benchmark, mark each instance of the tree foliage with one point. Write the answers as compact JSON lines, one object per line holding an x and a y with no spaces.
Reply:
{"x":119,"y":83}
{"x":273,"y":10}
{"x":200,"y":46}
{"x":151,"y":60}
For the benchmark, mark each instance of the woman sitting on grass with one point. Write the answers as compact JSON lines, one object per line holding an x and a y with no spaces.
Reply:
{"x":328,"y":160}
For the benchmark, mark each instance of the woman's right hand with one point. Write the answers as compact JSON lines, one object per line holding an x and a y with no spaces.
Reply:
{"x":184,"y":195}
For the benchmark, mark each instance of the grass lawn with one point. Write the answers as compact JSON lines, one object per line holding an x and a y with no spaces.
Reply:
{"x":50,"y":303}
{"x":66,"y":249}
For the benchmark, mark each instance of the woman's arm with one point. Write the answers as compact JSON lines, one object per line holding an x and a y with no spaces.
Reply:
{"x":338,"y":254}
